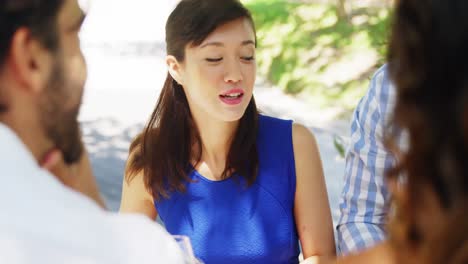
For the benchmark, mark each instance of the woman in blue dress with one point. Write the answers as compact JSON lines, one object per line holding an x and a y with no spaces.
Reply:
{"x":245,"y":187}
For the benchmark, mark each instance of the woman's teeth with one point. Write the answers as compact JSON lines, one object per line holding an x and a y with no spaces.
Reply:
{"x":234,"y":95}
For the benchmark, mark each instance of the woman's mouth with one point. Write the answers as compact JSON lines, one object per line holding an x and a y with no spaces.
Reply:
{"x":232,"y":97}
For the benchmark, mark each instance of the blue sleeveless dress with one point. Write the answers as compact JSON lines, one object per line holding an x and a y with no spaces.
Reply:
{"x":228,"y":222}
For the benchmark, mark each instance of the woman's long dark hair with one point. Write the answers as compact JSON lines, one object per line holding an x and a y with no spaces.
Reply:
{"x":164,"y":150}
{"x":429,"y":64}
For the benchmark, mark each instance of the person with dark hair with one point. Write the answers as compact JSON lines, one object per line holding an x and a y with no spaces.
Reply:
{"x":51,"y":207}
{"x":428,"y":63}
{"x":244,"y":187}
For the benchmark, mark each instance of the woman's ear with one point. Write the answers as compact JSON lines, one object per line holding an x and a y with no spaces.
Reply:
{"x":175,"y":69}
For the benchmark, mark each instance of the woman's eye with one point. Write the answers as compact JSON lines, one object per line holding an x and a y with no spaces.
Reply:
{"x":251,"y":58}
{"x":213,"y":59}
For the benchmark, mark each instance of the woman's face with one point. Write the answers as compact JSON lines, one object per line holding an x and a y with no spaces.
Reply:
{"x":218,"y":76}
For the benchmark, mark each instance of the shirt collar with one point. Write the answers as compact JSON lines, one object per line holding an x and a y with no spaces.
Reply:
{"x":13,"y":152}
{"x":20,"y":170}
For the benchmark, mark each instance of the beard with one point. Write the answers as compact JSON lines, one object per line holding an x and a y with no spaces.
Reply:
{"x":59,"y":108}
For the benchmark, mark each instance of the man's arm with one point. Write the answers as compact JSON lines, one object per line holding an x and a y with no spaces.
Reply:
{"x":364,"y":200}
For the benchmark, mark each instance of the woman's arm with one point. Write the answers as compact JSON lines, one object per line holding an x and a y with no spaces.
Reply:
{"x":311,"y":206}
{"x":382,"y":254}
{"x":136,"y":198}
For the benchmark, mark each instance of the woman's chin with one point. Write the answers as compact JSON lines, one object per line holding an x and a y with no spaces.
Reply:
{"x":231,"y":115}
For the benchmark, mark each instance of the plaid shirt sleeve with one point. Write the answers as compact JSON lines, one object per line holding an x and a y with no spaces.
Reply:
{"x":365,"y":199}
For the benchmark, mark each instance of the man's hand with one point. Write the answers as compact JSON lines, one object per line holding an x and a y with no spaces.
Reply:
{"x":78,"y":176}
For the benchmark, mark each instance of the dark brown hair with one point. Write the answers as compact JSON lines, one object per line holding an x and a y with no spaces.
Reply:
{"x":39,"y":16}
{"x":429,"y":64}
{"x":164,"y":150}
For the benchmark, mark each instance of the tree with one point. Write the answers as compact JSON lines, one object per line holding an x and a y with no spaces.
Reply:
{"x":341,"y":11}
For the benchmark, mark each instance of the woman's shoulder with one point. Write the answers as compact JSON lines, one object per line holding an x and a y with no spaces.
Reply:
{"x":272,"y":119}
{"x":270,"y":123}
{"x":274,"y":135}
{"x":277,"y":133}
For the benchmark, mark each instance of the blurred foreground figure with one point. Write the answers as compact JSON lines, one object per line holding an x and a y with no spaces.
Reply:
{"x":428,"y":63}
{"x":48,"y":197}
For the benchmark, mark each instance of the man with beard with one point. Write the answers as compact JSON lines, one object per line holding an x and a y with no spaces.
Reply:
{"x":48,"y":195}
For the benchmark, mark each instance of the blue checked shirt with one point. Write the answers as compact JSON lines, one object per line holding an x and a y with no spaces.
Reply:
{"x":365,"y":200}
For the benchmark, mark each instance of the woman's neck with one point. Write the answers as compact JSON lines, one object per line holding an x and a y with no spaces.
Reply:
{"x":216,"y":137}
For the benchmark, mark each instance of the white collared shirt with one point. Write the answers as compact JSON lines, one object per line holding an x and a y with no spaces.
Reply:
{"x":43,"y":221}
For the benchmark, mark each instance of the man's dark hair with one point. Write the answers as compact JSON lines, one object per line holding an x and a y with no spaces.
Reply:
{"x":39,"y":16}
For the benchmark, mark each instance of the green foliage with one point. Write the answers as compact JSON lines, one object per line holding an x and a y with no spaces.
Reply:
{"x":339,"y":146}
{"x":302,"y":45}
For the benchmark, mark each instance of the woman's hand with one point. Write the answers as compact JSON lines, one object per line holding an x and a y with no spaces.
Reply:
{"x":319,"y":260}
